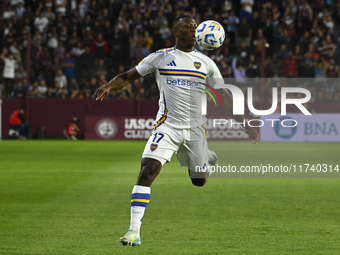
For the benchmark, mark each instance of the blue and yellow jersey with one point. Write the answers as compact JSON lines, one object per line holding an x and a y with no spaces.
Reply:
{"x":179,"y":75}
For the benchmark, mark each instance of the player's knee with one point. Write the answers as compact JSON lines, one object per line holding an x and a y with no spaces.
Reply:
{"x":150,"y":168}
{"x":199,"y":182}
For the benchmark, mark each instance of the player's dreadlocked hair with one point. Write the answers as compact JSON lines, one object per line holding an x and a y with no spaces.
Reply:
{"x":177,"y":20}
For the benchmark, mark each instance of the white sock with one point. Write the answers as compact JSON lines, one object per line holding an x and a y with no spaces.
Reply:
{"x":140,"y":198}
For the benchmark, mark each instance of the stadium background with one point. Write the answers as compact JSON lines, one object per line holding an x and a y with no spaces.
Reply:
{"x":64,"y":197}
{"x":77,"y":46}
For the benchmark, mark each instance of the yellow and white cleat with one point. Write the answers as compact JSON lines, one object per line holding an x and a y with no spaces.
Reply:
{"x":132,"y":238}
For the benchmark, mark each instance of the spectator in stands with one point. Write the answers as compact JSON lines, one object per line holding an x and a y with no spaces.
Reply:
{"x":244,"y":51}
{"x":52,"y":41}
{"x":239,"y":71}
{"x":102,"y":80}
{"x":68,"y":66}
{"x":63,"y":93}
{"x":20,"y":10}
{"x":116,"y":43}
{"x":9,"y":13}
{"x":134,"y":39}
{"x":331,"y":83}
{"x":307,"y":69}
{"x":60,"y":52}
{"x":53,"y":91}
{"x":34,"y":90}
{"x":46,"y":66}
{"x":243,"y":32}
{"x":225,"y":69}
{"x":93,"y":85}
{"x":268,"y":29}
{"x":77,"y":50}
{"x":287,"y":40}
{"x":165,"y":32}
{"x":283,"y":52}
{"x":100,"y":68}
{"x":259,"y":41}
{"x":60,"y":78}
{"x":311,"y":53}
{"x":60,"y":6}
{"x":39,"y":8}
{"x":50,"y":15}
{"x":8,"y":75}
{"x":231,"y":23}
{"x":73,"y":40}
{"x":217,"y":57}
{"x":100,"y":47}
{"x":147,"y":43}
{"x":252,"y":70}
{"x":42,"y":89}
{"x":320,"y":81}
{"x":21,"y":74}
{"x":73,"y":88}
{"x":160,"y":19}
{"x":305,"y":15}
{"x":305,"y":40}
{"x":85,"y":62}
{"x":290,"y":66}
{"x":41,"y":23}
{"x":83,"y":8}
{"x":63,"y":35}
{"x":209,"y":14}
{"x":19,"y":90}
{"x":244,"y":13}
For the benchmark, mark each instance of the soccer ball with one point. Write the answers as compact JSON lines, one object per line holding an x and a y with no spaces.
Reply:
{"x":210,"y":35}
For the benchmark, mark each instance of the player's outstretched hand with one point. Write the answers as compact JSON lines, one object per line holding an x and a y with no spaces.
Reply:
{"x":252,"y":134}
{"x":102,"y":92}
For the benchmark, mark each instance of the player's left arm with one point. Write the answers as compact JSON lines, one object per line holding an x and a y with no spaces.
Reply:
{"x":227,"y":102}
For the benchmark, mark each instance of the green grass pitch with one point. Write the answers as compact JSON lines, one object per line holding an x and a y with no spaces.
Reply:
{"x":65,"y":198}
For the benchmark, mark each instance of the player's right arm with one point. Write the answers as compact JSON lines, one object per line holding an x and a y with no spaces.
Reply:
{"x":117,"y":83}
{"x":147,"y":65}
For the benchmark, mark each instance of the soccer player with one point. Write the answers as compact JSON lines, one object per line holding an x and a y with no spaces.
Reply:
{"x":179,"y":126}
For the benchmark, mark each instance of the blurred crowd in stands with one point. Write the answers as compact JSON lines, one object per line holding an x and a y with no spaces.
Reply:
{"x":78,"y":45}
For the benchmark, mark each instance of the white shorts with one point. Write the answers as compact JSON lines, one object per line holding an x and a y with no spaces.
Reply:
{"x":190,"y":146}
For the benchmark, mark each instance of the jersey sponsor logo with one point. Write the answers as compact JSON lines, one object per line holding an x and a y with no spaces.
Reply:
{"x":153,"y":146}
{"x":184,"y":83}
{"x":197,"y":65}
{"x":172,"y":63}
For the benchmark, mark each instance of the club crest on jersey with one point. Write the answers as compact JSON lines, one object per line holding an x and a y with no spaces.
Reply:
{"x":197,"y":65}
{"x":153,"y":146}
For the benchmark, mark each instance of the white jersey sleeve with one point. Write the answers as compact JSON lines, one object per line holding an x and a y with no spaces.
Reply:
{"x":214,"y":75}
{"x":149,"y":64}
